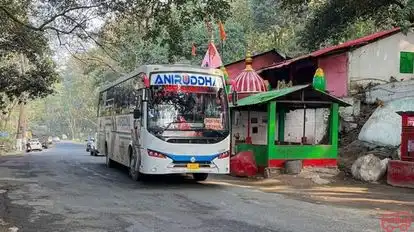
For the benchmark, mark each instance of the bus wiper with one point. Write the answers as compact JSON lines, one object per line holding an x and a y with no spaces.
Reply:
{"x":215,"y":132}
{"x":168,"y":126}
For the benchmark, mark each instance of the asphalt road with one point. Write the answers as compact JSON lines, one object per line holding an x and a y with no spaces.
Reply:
{"x":65,"y":189}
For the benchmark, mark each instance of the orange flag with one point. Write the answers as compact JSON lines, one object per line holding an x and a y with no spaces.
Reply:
{"x":193,"y":50}
{"x":223,"y":35}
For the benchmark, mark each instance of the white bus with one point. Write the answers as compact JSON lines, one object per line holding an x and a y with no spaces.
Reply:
{"x":166,"y":119}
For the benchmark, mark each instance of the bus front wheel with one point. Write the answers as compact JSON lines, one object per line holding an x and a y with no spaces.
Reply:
{"x":200,"y":176}
{"x":133,"y":163}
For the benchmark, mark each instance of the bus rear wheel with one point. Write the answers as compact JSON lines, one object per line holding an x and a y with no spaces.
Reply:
{"x":109,"y":162}
{"x":200,"y":176}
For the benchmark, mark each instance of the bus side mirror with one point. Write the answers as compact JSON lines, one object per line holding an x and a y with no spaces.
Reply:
{"x":145,"y":94}
{"x":137,"y":113}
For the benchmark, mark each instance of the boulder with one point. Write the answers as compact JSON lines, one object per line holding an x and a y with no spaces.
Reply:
{"x":318,"y":180}
{"x":388,"y":122}
{"x":369,"y":168}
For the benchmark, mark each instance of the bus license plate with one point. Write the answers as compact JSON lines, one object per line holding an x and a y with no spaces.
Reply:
{"x":193,"y":166}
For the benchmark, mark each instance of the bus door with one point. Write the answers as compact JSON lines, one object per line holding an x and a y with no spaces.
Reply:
{"x":138,"y":118}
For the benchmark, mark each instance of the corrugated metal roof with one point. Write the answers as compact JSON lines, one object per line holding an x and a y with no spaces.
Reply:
{"x":264,"y":97}
{"x":344,"y":46}
{"x":274,"y":51}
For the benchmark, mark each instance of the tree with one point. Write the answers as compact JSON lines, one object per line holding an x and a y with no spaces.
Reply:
{"x":155,"y":19}
{"x":72,"y":108}
{"x":333,"y":20}
{"x":26,"y":69}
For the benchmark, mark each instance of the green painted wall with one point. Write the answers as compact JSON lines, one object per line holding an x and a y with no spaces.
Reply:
{"x":264,"y":153}
{"x":303,"y":152}
{"x":260,"y":152}
{"x":271,"y":127}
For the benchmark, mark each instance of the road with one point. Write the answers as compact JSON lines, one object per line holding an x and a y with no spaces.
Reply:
{"x":65,"y":189}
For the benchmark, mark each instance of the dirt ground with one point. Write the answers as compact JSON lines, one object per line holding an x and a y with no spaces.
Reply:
{"x":343,"y":191}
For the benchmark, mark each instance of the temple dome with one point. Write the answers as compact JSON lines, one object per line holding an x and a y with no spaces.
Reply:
{"x":248,"y":81}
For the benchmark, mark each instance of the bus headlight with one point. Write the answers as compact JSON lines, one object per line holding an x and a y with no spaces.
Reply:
{"x":224,"y":155}
{"x":156,"y":154}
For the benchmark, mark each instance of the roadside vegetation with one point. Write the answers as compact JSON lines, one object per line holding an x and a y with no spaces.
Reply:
{"x":55,"y":54}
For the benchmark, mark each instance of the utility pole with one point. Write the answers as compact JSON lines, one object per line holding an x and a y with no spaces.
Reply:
{"x":21,"y":127}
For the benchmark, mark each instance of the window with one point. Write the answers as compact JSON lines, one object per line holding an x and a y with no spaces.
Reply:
{"x":254,"y":120}
{"x":406,"y":62}
{"x":101,"y":106}
{"x":255,"y":130}
{"x":121,"y":98}
{"x":109,"y":99}
{"x":125,"y":96}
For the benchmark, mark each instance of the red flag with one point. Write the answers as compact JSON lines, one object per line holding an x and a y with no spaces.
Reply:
{"x":223,"y":35}
{"x":193,"y":50}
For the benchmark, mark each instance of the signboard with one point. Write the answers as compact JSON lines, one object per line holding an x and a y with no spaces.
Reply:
{"x":400,"y":173}
{"x":213,"y":123}
{"x":185,"y":79}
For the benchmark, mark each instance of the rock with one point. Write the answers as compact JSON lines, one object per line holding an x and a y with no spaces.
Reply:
{"x":349,"y":126}
{"x":318,"y":180}
{"x":386,"y":121}
{"x":353,"y":110}
{"x":348,"y":119}
{"x":272,"y":172}
{"x":390,"y":91}
{"x":13,"y":229}
{"x":316,"y":174}
{"x":369,"y":168}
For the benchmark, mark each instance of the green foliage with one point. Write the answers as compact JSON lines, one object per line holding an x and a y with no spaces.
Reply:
{"x":334,"y":21}
{"x":148,"y":32}
{"x":72,"y":109}
{"x":26,"y":70}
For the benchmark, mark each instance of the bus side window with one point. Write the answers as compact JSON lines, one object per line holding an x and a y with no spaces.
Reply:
{"x":101,"y":108}
{"x":109,"y":101}
{"x":132,"y":95}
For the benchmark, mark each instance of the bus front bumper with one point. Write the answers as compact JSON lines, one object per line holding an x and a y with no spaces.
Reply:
{"x":185,"y":168}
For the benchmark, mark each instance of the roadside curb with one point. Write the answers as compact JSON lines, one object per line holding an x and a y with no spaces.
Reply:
{"x":16,"y":153}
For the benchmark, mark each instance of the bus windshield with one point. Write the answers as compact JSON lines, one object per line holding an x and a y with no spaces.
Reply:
{"x":184,"y":111}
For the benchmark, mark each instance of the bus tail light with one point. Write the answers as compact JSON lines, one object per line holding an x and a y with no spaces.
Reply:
{"x":156,"y":154}
{"x":224,"y":155}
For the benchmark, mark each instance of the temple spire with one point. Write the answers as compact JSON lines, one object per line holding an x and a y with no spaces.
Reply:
{"x":249,"y":61}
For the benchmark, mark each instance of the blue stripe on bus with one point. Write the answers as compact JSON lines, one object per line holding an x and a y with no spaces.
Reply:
{"x":187,"y":158}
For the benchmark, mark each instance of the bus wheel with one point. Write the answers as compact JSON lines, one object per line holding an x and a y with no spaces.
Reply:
{"x":109,"y":162}
{"x":133,"y":172}
{"x":200,"y":176}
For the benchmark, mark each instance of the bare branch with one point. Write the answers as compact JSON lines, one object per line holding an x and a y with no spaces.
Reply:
{"x":398,"y":3}
{"x":79,"y":24}
{"x":91,"y":59}
{"x":44,"y":26}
